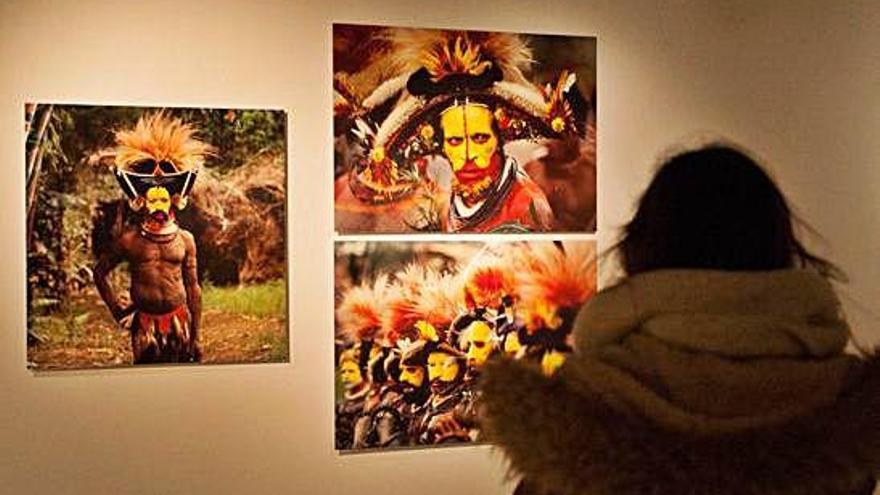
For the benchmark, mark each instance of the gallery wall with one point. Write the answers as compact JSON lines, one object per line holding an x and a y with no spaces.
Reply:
{"x":796,"y":82}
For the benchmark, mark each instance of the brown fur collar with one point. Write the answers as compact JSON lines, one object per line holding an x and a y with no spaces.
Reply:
{"x":571,"y":438}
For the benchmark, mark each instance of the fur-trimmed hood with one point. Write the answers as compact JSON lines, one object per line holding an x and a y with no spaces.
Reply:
{"x":696,"y":382}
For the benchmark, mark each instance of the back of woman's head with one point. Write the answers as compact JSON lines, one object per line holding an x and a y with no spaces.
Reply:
{"x":713,"y":208}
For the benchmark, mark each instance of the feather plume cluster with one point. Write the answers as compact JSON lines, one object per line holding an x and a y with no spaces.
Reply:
{"x":461,"y":57}
{"x":451,"y":51}
{"x":441,"y":300}
{"x":414,"y":277}
{"x":552,"y":277}
{"x":161,"y":138}
{"x":559,"y":110}
{"x":487,"y":280}
{"x":420,"y":303}
{"x":399,"y":320}
{"x":361,"y":311}
{"x":424,"y":295}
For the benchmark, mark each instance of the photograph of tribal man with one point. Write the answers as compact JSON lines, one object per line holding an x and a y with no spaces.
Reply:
{"x":463,"y":131}
{"x":155,"y":235}
{"x":415,"y":322}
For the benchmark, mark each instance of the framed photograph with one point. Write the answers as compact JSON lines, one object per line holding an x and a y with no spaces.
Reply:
{"x":155,"y":235}
{"x":463,"y":131}
{"x":416,"y":321}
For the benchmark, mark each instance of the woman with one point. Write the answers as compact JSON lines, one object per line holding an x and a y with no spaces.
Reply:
{"x":715,"y":366}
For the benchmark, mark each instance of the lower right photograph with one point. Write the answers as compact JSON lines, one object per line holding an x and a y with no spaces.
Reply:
{"x":416,"y":321}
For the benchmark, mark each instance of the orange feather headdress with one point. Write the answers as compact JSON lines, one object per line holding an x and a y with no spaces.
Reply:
{"x":161,"y":138}
{"x":553,"y":277}
{"x":424,"y":307}
{"x":360,"y":312}
{"x":487,"y":281}
{"x":400,"y":319}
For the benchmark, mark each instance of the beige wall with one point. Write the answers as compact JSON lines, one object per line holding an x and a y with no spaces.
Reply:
{"x":795,"y":81}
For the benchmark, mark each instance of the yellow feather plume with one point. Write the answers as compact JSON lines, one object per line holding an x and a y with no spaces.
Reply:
{"x":161,"y":138}
{"x":459,"y":57}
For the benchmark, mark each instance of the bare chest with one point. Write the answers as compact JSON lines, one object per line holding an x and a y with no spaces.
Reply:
{"x":143,"y":250}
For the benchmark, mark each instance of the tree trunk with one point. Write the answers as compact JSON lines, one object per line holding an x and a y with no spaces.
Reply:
{"x":34,"y":165}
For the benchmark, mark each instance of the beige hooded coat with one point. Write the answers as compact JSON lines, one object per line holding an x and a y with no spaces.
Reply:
{"x":696,"y":382}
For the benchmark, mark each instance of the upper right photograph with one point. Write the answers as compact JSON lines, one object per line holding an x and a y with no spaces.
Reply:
{"x":463,"y":131}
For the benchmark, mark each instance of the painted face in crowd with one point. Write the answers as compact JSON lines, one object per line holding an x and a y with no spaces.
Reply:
{"x":412,"y":376}
{"x":478,"y":342}
{"x":512,"y":345}
{"x":350,"y":374}
{"x":442,"y":367}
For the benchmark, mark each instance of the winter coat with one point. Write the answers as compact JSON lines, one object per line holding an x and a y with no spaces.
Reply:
{"x":696,"y":382}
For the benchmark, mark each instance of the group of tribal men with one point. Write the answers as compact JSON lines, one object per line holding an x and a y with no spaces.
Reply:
{"x":412,"y":344}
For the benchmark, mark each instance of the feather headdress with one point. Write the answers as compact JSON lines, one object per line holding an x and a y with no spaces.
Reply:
{"x":441,"y":300}
{"x":399,"y":322}
{"x":446,"y":52}
{"x":359,"y":314}
{"x":487,"y":280}
{"x":414,"y":277}
{"x":430,"y":70}
{"x":425,"y":304}
{"x":161,"y":138}
{"x":553,"y":277}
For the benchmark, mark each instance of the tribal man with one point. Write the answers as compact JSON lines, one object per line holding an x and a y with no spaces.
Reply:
{"x":359,"y":320}
{"x":382,"y":422}
{"x":395,"y":420}
{"x":462,"y":98}
{"x":449,"y":416}
{"x":156,"y":164}
{"x":352,"y":366}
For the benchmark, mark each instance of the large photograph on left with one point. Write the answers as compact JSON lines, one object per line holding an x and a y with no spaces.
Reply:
{"x":155,"y":235}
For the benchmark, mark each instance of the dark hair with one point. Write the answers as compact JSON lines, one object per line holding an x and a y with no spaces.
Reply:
{"x":714,"y":208}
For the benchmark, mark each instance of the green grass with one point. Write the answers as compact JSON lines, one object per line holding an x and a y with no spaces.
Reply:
{"x":279,"y":350}
{"x":263,"y":300}
{"x":64,"y":325}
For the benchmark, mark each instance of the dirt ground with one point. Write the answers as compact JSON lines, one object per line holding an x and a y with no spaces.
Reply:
{"x":88,"y":338}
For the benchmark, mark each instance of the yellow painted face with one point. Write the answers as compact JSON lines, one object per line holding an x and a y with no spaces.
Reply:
{"x":512,"y":345}
{"x":158,"y":199}
{"x":479,"y":343}
{"x":350,"y":374}
{"x":468,"y":135}
{"x":442,"y":367}
{"x":413,"y":375}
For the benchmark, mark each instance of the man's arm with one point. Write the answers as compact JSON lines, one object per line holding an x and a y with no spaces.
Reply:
{"x":193,"y":291}
{"x":105,"y":265}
